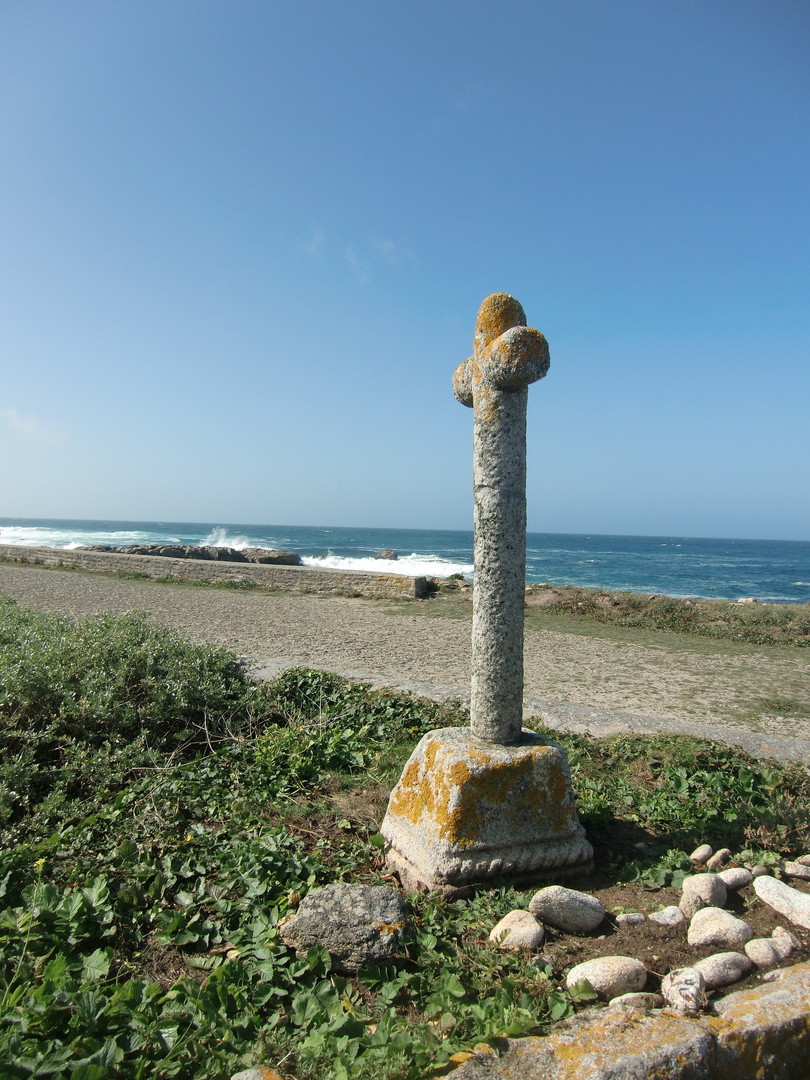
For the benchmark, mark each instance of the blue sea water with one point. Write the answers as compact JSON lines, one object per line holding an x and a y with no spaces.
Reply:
{"x":768,"y":570}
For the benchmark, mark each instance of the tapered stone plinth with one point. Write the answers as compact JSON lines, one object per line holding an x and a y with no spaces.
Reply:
{"x":466,"y":810}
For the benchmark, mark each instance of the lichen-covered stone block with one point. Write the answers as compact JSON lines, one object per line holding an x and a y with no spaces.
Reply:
{"x":466,"y":810}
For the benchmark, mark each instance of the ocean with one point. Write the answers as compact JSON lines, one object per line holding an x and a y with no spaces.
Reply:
{"x":776,"y":571}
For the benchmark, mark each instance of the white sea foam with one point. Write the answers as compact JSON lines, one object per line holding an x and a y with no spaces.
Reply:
{"x":50,"y":536}
{"x":413,"y":565}
{"x":220,"y":538}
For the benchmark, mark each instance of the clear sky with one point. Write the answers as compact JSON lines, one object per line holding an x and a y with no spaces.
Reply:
{"x":242,"y":247}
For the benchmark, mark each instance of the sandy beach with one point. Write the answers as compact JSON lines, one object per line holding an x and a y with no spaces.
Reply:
{"x":577,"y":681}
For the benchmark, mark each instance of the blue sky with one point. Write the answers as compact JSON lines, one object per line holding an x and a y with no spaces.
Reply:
{"x":242,"y":247}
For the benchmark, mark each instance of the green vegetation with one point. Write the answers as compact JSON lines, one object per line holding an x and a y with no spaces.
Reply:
{"x":757,"y":624}
{"x":568,"y":607}
{"x":160,"y":813}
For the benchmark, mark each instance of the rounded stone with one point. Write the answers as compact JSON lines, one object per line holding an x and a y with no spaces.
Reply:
{"x":736,"y":877}
{"x":630,"y":918}
{"x":610,"y":976}
{"x":790,"y":902}
{"x":713,"y":926}
{"x":567,"y":909}
{"x":719,"y":859}
{"x":700,"y":891}
{"x":762,"y":952}
{"x":637,"y":1000}
{"x":797,"y":870}
{"x":760,"y":871}
{"x":803,"y":860}
{"x":702,"y":854}
{"x":684,"y":990}
{"x":518,"y":930}
{"x":668,"y":916}
{"x":784,"y":942}
{"x":723,"y":969}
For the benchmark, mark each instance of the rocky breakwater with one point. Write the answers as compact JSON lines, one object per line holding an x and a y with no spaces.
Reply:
{"x":248,"y":568}
{"x":265,"y":556}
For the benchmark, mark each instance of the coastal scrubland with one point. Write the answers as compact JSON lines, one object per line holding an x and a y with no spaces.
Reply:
{"x":160,"y":813}
{"x":577,"y":658}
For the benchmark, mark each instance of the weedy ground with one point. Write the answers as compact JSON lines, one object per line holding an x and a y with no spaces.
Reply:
{"x":160,"y":813}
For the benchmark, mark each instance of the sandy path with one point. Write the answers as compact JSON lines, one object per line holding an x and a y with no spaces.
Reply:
{"x":577,"y":681}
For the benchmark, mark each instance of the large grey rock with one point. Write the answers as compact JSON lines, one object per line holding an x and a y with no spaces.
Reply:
{"x":518,"y":930}
{"x":668,"y":916}
{"x":702,"y":890}
{"x":791,"y":903}
{"x":723,"y":969}
{"x":735,"y":878}
{"x":271,"y":557}
{"x":713,"y":926}
{"x":387,"y":554}
{"x":610,"y":976}
{"x":684,"y":991}
{"x":765,"y":1031}
{"x":567,"y":909}
{"x":358,"y":924}
{"x":803,"y":860}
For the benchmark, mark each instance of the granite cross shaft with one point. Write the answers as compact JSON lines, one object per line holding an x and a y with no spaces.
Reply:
{"x":494,"y":381}
{"x":492,"y":800}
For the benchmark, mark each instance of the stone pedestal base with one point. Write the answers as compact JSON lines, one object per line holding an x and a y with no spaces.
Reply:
{"x":465,"y":811}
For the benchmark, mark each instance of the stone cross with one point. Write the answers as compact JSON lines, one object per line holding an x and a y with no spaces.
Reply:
{"x":494,"y":381}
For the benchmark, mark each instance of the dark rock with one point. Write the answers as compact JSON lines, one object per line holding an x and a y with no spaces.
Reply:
{"x":386,"y":555}
{"x":267,"y":555}
{"x":358,"y":924}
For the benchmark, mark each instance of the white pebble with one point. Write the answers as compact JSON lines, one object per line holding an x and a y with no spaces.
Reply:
{"x":668,"y":916}
{"x":610,"y":976}
{"x":518,"y":930}
{"x":713,"y":926}
{"x":719,"y":859}
{"x":630,"y":918}
{"x":701,"y":891}
{"x":637,"y":1000}
{"x":723,"y":969}
{"x":736,"y":877}
{"x":567,"y":909}
{"x":787,"y":901}
{"x":763,"y":952}
{"x":702,"y":854}
{"x":797,"y":870}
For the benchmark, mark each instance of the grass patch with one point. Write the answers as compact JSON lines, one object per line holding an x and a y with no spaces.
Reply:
{"x":160,"y":813}
{"x":756,"y":624}
{"x":571,"y":609}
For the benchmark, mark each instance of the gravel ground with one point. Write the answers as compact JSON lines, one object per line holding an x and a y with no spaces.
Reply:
{"x":576,"y":682}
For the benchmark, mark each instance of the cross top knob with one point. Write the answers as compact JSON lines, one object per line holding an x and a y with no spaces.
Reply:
{"x":507,"y":354}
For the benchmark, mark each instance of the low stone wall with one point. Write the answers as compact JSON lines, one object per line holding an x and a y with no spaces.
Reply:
{"x":298,"y":579}
{"x":760,"y":1034}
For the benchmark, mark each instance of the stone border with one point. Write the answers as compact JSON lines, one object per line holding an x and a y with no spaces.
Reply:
{"x":763,"y":1032}
{"x":295,"y":579}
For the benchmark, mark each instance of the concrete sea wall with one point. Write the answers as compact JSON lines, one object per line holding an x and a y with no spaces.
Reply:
{"x":296,"y":579}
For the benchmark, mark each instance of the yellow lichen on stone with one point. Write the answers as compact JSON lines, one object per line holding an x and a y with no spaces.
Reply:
{"x":498,"y":313}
